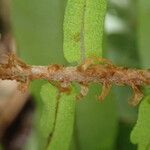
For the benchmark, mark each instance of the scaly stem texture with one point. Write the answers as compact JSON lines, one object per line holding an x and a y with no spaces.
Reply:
{"x":84,"y":74}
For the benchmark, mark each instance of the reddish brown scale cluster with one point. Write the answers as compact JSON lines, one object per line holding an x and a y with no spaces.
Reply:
{"x":108,"y":74}
{"x":13,"y":70}
{"x":95,"y":70}
{"x":62,"y":86}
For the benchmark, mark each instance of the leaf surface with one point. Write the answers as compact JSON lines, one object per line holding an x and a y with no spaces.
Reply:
{"x":141,"y":133}
{"x":83,"y":29}
{"x":48,"y":115}
{"x":144,"y":31}
{"x":63,"y":129}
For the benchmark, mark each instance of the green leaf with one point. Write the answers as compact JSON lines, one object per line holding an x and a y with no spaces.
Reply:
{"x":83,"y":29}
{"x":47,"y":119}
{"x":57,"y":118}
{"x":141,"y":132}
{"x":37,"y":27}
{"x":96,"y":123}
{"x":93,"y":27}
{"x":144,"y":31}
{"x":73,"y":22}
{"x":62,"y":134}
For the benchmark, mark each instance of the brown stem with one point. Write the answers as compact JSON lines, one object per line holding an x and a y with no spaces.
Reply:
{"x":106,"y":74}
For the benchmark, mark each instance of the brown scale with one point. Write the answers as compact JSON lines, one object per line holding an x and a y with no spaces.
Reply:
{"x":91,"y":67}
{"x":95,"y":70}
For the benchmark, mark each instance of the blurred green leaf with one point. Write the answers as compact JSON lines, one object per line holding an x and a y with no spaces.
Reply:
{"x":123,"y":139}
{"x":144,"y":31}
{"x":37,"y":28}
{"x":141,"y":132}
{"x":143,"y":34}
{"x":62,"y":134}
{"x":96,"y":123}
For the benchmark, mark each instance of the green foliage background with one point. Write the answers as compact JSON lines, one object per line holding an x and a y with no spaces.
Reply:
{"x":38,"y":28}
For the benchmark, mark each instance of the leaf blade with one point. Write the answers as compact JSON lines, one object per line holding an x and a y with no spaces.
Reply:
{"x":64,"y":123}
{"x":83,"y":29}
{"x":141,"y":132}
{"x":47,"y":118}
{"x":72,"y":30}
{"x":96,"y":124}
{"x":94,"y":25}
